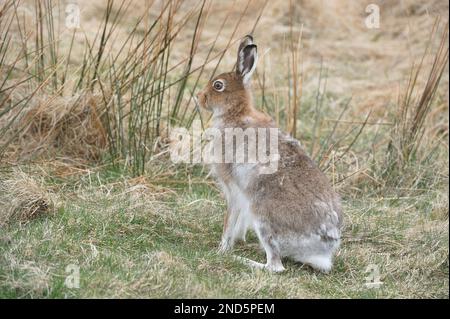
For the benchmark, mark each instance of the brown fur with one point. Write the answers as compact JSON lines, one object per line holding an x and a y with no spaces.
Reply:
{"x":297,"y":172}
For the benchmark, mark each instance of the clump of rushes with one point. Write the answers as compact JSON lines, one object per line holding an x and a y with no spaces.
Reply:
{"x":139,"y":88}
{"x":406,"y":142}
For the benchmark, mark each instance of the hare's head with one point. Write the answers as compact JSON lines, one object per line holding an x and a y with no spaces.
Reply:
{"x":231,"y":90}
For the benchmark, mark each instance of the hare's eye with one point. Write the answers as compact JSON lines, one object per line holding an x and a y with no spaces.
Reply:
{"x":219,"y":85}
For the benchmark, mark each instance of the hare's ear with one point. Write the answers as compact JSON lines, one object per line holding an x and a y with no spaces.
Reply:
{"x":246,"y":63}
{"x":247,"y":40}
{"x":247,"y":57}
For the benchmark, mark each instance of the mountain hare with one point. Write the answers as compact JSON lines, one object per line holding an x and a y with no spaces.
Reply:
{"x":294,"y":211}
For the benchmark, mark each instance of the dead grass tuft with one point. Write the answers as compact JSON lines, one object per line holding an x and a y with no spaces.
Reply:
{"x":53,"y":124}
{"x":23,"y":198}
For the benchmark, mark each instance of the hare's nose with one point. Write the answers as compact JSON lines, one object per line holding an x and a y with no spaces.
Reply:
{"x":198,"y":98}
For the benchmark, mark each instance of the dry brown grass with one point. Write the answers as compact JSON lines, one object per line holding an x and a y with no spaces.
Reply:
{"x":53,"y":125}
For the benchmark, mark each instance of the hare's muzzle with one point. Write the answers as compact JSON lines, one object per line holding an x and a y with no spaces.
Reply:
{"x":201,"y":100}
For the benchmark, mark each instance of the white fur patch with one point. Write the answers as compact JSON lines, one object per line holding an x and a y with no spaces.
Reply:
{"x":239,"y":219}
{"x":244,"y":173}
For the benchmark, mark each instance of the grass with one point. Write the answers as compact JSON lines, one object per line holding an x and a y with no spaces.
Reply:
{"x":132,"y":238}
{"x":85,"y":117}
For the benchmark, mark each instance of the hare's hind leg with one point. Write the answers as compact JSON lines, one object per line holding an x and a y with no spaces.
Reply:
{"x":250,"y":263}
{"x":257,"y":265}
{"x":271,"y":248}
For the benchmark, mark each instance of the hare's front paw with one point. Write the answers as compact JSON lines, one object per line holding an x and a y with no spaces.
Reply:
{"x":224,"y":246}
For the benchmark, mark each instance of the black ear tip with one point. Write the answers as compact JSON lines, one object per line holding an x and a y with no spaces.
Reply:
{"x":250,"y":37}
{"x":250,"y":47}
